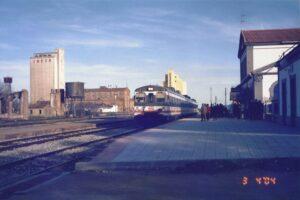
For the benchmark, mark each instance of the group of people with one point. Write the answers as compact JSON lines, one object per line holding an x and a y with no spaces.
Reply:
{"x":253,"y":110}
{"x":205,"y":111}
{"x":236,"y":110}
{"x":208,"y":111}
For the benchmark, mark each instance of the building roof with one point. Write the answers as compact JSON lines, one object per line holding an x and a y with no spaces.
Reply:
{"x":289,"y":58}
{"x":106,"y":89}
{"x":268,"y":37}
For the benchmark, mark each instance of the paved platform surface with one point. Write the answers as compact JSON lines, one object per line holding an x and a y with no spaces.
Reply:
{"x":191,"y":140}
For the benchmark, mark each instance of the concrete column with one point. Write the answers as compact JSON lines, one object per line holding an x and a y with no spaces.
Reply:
{"x":9,"y":107}
{"x":24,"y":104}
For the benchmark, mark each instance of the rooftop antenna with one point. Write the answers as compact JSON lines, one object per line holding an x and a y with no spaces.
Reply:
{"x":243,"y":20}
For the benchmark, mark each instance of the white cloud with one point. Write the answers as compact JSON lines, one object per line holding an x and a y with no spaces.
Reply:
{"x":229,"y":31}
{"x":104,"y":70}
{"x":82,"y":29}
{"x":105,"y":74}
{"x":121,"y":43}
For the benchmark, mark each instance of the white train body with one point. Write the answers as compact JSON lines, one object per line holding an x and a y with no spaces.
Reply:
{"x":152,"y":101}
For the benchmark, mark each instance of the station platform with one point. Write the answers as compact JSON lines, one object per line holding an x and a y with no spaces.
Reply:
{"x":186,"y":159}
{"x":190,"y":141}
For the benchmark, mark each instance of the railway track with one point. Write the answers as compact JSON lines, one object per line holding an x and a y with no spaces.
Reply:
{"x":17,"y":170}
{"x":22,"y":142}
{"x":101,"y":137}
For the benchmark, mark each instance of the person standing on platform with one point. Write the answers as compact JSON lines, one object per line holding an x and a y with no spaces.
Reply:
{"x":208,"y":112}
{"x":203,"y":112}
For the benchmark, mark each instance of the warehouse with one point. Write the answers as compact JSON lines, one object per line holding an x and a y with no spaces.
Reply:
{"x":119,"y":97}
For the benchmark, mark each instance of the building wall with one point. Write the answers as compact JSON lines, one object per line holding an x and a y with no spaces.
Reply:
{"x":264,"y":55}
{"x":173,"y":80}
{"x":46,"y":73}
{"x":246,"y":62}
{"x":57,"y":102}
{"x":46,"y":111}
{"x":268,"y":81}
{"x":61,"y":68}
{"x":110,"y":96}
{"x":258,"y":90}
{"x":22,"y":112}
{"x":285,"y":75}
{"x":260,"y":56}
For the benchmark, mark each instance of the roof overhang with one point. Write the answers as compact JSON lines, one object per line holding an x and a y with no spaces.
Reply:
{"x":289,"y":58}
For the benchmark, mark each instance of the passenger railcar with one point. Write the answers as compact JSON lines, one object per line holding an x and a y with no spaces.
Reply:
{"x":156,"y":101}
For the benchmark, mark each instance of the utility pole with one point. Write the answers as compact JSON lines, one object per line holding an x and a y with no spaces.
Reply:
{"x":225,"y":96}
{"x":216,"y":100}
{"x":210,"y":90}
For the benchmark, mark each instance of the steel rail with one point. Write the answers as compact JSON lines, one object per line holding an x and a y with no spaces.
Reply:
{"x":7,"y":186}
{"x":22,"y":142}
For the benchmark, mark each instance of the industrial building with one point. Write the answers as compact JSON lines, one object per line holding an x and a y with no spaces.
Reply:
{"x":259,"y":50}
{"x":46,"y":74}
{"x":289,"y":88}
{"x":13,"y":105}
{"x":110,"y":97}
{"x":53,"y":108}
{"x":173,"y":80}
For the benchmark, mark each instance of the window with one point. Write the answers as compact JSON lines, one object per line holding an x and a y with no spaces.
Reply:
{"x":37,"y":61}
{"x":40,"y":111}
{"x":160,"y":100}
{"x":31,"y":111}
{"x":139,"y":99}
{"x":49,"y":60}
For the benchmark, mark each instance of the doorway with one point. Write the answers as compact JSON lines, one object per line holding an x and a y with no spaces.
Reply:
{"x":293,"y":92}
{"x":283,"y":104}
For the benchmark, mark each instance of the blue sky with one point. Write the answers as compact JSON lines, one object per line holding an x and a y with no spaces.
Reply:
{"x":134,"y":43}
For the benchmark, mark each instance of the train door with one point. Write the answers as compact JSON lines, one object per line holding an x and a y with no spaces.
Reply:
{"x":151,"y":97}
{"x":293,"y":99}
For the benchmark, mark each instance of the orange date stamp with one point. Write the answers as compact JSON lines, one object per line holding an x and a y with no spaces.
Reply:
{"x":264,"y":180}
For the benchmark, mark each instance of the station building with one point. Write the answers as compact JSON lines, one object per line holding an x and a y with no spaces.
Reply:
{"x":259,"y":50}
{"x":289,"y":88}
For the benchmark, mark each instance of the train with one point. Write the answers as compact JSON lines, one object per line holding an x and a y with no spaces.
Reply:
{"x":158,"y":102}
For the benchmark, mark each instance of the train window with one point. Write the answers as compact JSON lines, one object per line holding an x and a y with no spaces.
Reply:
{"x":160,"y":100}
{"x":139,"y":99}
